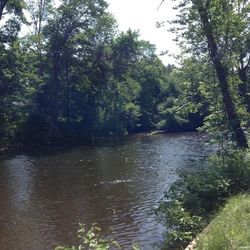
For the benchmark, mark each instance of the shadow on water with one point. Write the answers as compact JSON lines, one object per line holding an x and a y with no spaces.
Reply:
{"x":115,"y":182}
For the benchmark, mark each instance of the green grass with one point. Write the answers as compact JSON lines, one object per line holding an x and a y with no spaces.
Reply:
{"x":230,"y":229}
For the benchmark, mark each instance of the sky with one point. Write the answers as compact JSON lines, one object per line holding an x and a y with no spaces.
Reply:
{"x":142,"y":15}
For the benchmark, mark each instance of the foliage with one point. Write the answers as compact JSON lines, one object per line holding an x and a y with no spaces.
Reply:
{"x":183,"y":107}
{"x":230,"y":228}
{"x":215,"y":34}
{"x":183,"y":226}
{"x":75,"y":76}
{"x":195,"y":197}
{"x":11,"y":6}
{"x":10,"y":78}
{"x":90,"y":240}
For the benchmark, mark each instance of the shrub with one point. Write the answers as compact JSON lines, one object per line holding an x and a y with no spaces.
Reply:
{"x":90,"y":240}
{"x":193,"y":200}
{"x":183,"y":226}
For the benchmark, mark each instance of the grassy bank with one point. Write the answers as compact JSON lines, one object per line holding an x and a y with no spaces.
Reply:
{"x":195,"y":199}
{"x":230,"y":229}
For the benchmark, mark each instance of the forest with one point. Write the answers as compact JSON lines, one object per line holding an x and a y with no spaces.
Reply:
{"x":68,"y":75}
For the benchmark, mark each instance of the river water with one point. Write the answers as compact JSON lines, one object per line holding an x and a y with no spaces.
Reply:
{"x":115,"y":182}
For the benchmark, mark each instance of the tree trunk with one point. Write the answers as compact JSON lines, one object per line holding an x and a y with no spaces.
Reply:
{"x":222,"y":75}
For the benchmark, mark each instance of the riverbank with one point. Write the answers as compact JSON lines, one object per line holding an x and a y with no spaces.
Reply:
{"x":230,"y":228}
{"x":21,"y":147}
{"x":196,"y":198}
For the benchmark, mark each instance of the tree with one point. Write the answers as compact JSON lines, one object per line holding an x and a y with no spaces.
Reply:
{"x":75,"y":76}
{"x":151,"y":74}
{"x":73,"y":18}
{"x":12,"y":80}
{"x":206,"y":30}
{"x":222,"y":74}
{"x":39,"y":12}
{"x":11,"y":6}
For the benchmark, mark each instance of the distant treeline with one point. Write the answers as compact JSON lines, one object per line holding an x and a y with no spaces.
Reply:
{"x":73,"y":76}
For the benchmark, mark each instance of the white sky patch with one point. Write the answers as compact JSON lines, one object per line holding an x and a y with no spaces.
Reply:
{"x":143,"y":15}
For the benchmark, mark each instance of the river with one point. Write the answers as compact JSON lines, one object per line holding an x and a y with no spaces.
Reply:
{"x":114,"y":182}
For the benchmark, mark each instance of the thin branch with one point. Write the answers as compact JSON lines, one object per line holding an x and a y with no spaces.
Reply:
{"x":160,"y":4}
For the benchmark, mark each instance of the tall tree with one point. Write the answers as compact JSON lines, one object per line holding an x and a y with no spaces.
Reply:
{"x":74,"y":17}
{"x":205,"y":30}
{"x":10,"y":78}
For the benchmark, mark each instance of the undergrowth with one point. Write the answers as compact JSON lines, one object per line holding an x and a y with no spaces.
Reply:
{"x":91,"y":240}
{"x":193,"y":200}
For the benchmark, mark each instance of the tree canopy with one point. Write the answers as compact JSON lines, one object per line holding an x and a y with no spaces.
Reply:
{"x":216,"y":34}
{"x":74,"y":75}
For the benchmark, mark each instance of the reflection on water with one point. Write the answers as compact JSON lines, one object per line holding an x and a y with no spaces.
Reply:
{"x":116,"y":183}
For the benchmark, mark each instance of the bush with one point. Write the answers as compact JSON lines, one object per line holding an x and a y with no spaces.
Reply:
{"x":183,"y":226}
{"x":193,"y":200}
{"x":91,"y":240}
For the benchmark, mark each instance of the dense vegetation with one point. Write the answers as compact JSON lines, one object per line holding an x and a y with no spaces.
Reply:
{"x":214,"y":36}
{"x":193,"y":200}
{"x":67,"y":74}
{"x":71,"y":76}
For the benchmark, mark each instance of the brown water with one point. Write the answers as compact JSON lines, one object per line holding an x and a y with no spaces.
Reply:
{"x":115,"y":183}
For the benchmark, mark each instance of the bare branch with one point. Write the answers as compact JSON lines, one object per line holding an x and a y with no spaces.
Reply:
{"x":160,"y":4}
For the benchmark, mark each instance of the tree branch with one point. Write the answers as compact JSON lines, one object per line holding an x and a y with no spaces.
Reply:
{"x":160,"y":4}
